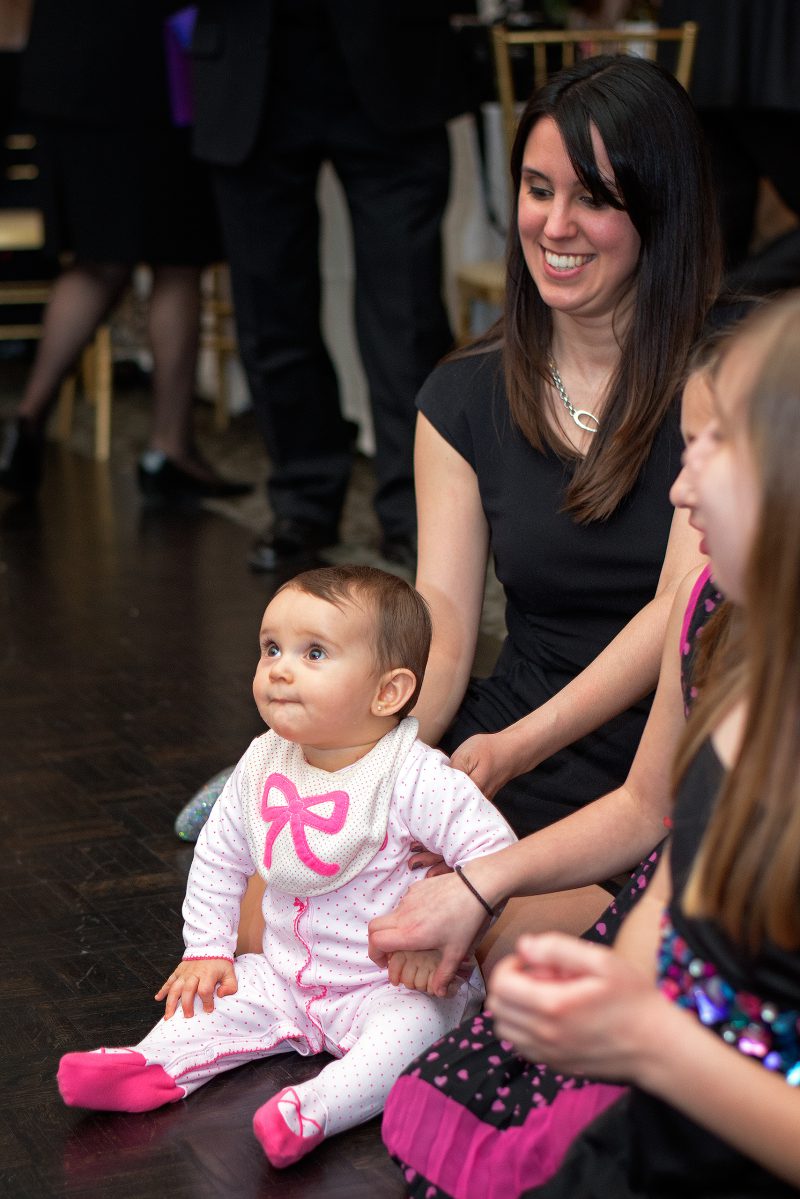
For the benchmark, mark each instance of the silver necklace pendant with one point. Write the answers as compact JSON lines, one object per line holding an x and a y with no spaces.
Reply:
{"x":579,"y":415}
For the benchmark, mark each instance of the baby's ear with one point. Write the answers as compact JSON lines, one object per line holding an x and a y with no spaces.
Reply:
{"x":394,"y":691}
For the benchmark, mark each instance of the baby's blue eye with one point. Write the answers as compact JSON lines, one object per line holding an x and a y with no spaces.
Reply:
{"x":272,"y":650}
{"x":316,"y":653}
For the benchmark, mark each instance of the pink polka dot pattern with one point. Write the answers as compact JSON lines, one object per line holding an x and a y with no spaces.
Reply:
{"x":363,"y":790}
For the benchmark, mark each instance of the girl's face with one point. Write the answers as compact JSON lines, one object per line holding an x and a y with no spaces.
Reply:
{"x":581,"y":255}
{"x":697,"y":410}
{"x":718,"y":483}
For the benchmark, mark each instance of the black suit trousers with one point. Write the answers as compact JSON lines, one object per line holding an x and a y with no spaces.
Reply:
{"x":396,"y":187}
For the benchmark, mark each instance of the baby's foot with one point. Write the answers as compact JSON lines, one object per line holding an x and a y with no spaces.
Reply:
{"x":285,"y":1132}
{"x":115,"y":1080}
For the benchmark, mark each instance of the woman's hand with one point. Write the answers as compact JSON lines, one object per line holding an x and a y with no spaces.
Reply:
{"x":197,"y":976}
{"x":485,"y":759}
{"x":576,"y":1006}
{"x":438,"y":914}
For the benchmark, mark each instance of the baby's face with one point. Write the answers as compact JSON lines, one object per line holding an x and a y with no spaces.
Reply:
{"x":316,"y":679}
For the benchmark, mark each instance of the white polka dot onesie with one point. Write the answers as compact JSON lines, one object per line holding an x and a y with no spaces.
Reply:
{"x":344,"y":840}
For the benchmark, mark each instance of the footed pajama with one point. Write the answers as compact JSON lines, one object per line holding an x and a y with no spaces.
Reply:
{"x":333,"y":849}
{"x":373,"y":1031}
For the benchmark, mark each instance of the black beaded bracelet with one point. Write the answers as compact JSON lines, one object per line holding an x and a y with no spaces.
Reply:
{"x":476,"y":893}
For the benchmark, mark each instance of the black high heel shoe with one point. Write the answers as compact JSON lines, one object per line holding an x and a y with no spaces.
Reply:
{"x":21,"y":457}
{"x":161,"y":480}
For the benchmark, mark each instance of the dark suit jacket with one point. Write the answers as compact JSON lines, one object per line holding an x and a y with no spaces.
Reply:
{"x":747,"y":52}
{"x":97,"y":62}
{"x":402,"y":58}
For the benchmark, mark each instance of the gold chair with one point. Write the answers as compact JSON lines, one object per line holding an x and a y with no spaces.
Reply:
{"x":217,"y":334}
{"x":485,"y":281}
{"x":22,"y":231}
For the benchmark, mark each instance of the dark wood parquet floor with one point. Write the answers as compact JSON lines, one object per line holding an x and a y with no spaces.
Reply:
{"x":127,"y":645}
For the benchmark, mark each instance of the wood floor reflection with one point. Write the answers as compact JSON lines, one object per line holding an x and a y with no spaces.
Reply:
{"x":127,"y":648}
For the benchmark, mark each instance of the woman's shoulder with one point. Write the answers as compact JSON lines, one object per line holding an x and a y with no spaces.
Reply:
{"x":463,"y":395}
{"x":460,"y":376}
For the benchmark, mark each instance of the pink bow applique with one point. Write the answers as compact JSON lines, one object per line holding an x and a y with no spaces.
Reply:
{"x":295,"y":812}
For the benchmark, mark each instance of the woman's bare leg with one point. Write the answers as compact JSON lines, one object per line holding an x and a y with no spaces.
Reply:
{"x":80,"y":298}
{"x":174,"y":333}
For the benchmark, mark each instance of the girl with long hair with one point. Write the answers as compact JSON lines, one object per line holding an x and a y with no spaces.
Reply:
{"x":712,"y":1050}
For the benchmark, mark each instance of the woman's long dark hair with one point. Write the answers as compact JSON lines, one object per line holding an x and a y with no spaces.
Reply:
{"x":655,"y":147}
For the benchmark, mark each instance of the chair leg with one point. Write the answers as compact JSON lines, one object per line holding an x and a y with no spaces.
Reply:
{"x":214,"y":325}
{"x":62,"y":424}
{"x":88,"y":371}
{"x":96,"y":374}
{"x":222,"y":416}
{"x":102,"y":389}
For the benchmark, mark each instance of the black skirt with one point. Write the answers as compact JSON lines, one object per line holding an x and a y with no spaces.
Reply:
{"x":126,"y":195}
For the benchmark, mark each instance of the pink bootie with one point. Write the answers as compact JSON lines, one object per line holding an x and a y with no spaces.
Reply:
{"x":112,"y":1080}
{"x":282,"y":1146}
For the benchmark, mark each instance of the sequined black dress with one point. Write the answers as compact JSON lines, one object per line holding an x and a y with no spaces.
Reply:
{"x":642,"y":1146}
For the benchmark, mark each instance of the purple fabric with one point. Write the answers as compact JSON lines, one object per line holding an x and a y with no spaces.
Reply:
{"x":178,"y":30}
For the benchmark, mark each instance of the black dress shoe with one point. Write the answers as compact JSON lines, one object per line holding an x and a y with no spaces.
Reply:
{"x":400,"y":550}
{"x":21,"y":457}
{"x":290,"y":541}
{"x":161,"y":481}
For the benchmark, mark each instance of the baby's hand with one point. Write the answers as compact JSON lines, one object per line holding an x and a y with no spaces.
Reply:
{"x":199,"y":976}
{"x":433,"y":863}
{"x":413,"y":968}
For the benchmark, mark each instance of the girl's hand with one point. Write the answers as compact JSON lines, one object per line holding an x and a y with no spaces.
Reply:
{"x":200,"y":976}
{"x":577,"y":1006}
{"x":438,"y":914}
{"x":483,"y":758}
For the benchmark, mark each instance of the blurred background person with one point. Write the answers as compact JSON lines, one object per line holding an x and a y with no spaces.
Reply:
{"x":283,"y":86}
{"x":120,"y":188}
{"x":746,"y":88}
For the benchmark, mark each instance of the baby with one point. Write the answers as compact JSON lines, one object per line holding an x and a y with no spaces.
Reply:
{"x":325,"y":806}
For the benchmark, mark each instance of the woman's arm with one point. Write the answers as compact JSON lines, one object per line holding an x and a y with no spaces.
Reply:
{"x":622,"y":674}
{"x":451,"y":572}
{"x":600,"y":841}
{"x":582,"y":1009}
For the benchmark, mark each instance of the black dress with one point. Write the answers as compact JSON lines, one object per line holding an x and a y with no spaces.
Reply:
{"x":118,"y":179}
{"x":569,"y":588}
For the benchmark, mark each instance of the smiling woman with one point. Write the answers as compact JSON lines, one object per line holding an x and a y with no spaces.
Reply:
{"x":554,"y":440}
{"x":581,"y":252}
